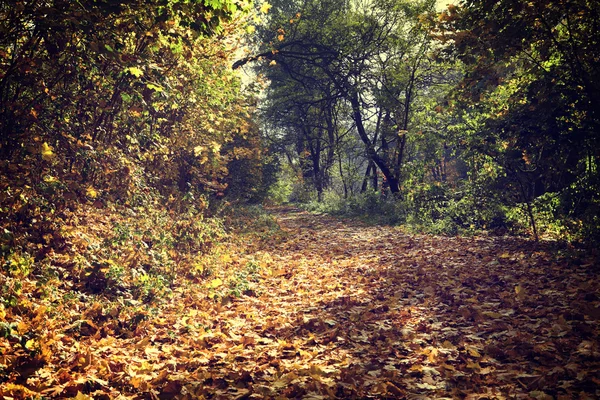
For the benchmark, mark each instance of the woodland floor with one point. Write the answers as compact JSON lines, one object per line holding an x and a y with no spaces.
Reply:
{"x":347,"y":310}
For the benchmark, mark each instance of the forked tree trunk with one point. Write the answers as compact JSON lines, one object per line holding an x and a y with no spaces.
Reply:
{"x":377,"y":159}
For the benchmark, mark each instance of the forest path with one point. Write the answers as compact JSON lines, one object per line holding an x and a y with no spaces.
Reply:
{"x":357,"y":311}
{"x":324,"y":308}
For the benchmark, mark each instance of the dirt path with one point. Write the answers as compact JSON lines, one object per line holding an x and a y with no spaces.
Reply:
{"x":354,"y":311}
{"x":339,"y":309}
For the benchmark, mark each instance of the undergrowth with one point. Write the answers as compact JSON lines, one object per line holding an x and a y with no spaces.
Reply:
{"x":430,"y":209}
{"x":105,"y":269}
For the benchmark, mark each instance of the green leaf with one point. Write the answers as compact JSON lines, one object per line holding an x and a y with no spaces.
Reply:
{"x":154,"y":87}
{"x":214,"y":4}
{"x":135,"y":71}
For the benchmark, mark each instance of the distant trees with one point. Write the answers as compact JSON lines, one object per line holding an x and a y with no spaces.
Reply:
{"x":303,"y":120}
{"x":485,"y":112}
{"x":366,"y":57}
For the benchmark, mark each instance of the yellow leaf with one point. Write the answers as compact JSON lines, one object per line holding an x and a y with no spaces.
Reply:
{"x":152,"y":352}
{"x":505,"y":255}
{"x":474,"y":366}
{"x":416,"y":368}
{"x":135,"y":71}
{"x":265,"y":7}
{"x":250,"y":29}
{"x":473,"y":351}
{"x":280,"y":38}
{"x":432,"y":355}
{"x":198,"y":150}
{"x":138,"y":382}
{"x":520,"y":292}
{"x":30,"y":344}
{"x":273,"y":63}
{"x":518,"y":289}
{"x":492,"y":314}
{"x":81,"y":396}
{"x":50,"y":179}
{"x":448,"y":345}
{"x":215,"y":283}
{"x":22,"y":327}
{"x":91,"y":192}
{"x":47,"y":154}
{"x":216,"y":147}
{"x":142,"y":343}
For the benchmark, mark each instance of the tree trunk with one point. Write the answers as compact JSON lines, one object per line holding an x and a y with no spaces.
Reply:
{"x":379,"y":162}
{"x":366,"y":179}
{"x":342,"y":177}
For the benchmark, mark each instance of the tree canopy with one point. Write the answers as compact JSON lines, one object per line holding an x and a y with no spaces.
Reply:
{"x":495,"y":99}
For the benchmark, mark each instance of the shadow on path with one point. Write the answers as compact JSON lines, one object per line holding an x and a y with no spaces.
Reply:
{"x":372,"y":312}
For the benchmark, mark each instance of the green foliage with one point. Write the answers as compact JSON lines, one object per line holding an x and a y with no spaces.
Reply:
{"x":281,"y":192}
{"x":252,"y":170}
{"x":571,"y":214}
{"x":528,"y":103}
{"x":18,"y":265}
{"x":244,"y":280}
{"x":121,"y":123}
{"x":108,"y":111}
{"x":441,"y":209}
{"x":290,"y":186}
{"x":339,"y":63}
{"x":371,"y":206}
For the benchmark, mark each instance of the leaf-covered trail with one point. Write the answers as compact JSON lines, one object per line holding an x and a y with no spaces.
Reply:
{"x":358,"y":311}
{"x":336,"y":309}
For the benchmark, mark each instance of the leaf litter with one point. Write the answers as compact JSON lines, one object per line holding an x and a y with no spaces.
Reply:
{"x":332,"y":308}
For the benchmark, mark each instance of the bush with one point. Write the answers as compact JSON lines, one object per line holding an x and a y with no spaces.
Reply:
{"x":441,"y":209}
{"x":371,"y":205}
{"x":434,"y":208}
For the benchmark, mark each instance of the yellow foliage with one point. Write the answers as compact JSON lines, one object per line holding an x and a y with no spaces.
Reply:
{"x":47,"y":153}
{"x":31,"y":344}
{"x":215,"y":283}
{"x":265,"y":7}
{"x":91,"y":192}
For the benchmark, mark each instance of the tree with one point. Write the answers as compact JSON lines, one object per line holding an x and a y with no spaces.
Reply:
{"x":302,"y":115}
{"x":366,"y":53}
{"x":99,"y":82}
{"x":529,"y":95}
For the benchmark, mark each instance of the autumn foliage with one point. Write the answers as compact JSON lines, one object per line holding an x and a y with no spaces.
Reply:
{"x":118,"y":124}
{"x":136,"y":258}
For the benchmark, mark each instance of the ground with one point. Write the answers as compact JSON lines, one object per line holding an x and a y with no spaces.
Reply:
{"x":337,"y":308}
